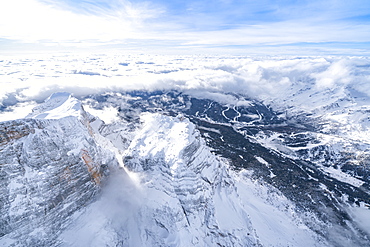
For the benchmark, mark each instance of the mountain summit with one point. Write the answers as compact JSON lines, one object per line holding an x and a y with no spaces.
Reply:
{"x":58,"y":105}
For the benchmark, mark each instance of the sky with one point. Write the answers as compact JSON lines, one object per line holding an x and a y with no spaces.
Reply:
{"x":305,"y":27}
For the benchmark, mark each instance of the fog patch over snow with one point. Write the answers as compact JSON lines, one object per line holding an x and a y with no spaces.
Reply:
{"x":107,"y":114}
{"x":362,"y":216}
{"x":103,"y":221}
{"x":19,"y":110}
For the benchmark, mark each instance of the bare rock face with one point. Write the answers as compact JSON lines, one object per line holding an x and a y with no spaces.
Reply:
{"x":49,"y":169}
{"x":13,"y":130}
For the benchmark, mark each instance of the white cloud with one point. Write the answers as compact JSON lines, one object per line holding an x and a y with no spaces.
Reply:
{"x":286,"y":32}
{"x":107,"y":114}
{"x":275,"y":79}
{"x":147,"y":25}
{"x":17,"y":111}
{"x":337,"y":73}
{"x":33,"y":21}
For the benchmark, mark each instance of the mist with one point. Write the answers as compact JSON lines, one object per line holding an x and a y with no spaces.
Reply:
{"x":113,"y":216}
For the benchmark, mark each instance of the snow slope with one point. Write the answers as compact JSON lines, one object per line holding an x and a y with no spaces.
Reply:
{"x":180,"y":194}
{"x":58,"y":105}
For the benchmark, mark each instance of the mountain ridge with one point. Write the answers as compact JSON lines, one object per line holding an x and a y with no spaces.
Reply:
{"x":174,"y":170}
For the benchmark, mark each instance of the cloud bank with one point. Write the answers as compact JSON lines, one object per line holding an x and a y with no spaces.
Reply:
{"x":282,"y":80}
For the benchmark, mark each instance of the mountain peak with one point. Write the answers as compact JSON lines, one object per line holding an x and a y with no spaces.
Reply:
{"x":58,"y":105}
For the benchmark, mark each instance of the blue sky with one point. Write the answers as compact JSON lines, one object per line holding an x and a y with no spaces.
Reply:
{"x":224,"y":26}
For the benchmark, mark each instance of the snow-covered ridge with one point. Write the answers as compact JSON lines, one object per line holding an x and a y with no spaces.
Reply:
{"x":184,"y":195}
{"x":57,"y":105}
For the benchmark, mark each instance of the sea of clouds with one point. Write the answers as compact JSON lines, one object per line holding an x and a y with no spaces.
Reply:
{"x":29,"y":79}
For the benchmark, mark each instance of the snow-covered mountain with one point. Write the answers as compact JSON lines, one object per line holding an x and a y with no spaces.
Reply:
{"x":177,"y":170}
{"x":313,"y":166}
{"x":51,"y":167}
